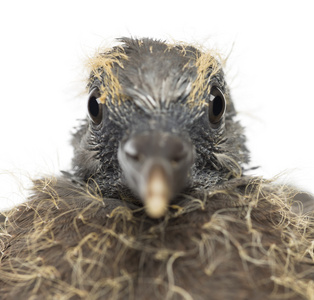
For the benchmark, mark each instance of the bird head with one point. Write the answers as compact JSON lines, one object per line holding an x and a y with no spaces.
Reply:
{"x":161,"y":123}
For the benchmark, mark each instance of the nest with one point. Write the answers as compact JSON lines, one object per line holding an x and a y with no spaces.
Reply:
{"x":243,"y":240}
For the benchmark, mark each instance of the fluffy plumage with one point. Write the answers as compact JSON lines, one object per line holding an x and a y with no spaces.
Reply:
{"x":87,"y":235}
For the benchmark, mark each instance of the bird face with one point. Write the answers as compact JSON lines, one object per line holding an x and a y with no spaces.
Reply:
{"x":160,"y":124}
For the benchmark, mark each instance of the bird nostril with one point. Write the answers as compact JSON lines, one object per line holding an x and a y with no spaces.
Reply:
{"x":179,"y":154}
{"x":156,"y":146}
{"x":132,"y":152}
{"x":177,"y":158}
{"x":135,"y":156}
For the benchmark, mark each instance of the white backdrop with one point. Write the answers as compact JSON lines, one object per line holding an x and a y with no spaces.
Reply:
{"x":44,"y":45}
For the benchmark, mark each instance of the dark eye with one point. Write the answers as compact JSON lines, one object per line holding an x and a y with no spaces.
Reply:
{"x":217,"y":105}
{"x":95,"y":107}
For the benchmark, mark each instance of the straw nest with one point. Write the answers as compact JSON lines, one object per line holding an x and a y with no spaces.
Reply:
{"x":244,"y":240}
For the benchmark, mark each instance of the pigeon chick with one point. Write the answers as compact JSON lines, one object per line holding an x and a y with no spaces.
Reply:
{"x":157,"y":205}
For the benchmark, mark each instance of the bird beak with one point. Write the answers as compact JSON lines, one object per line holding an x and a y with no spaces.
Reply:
{"x":157,"y":192}
{"x":156,"y":166}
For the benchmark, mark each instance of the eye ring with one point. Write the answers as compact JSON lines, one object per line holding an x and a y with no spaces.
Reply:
{"x":94,"y":106}
{"x":217,"y":106}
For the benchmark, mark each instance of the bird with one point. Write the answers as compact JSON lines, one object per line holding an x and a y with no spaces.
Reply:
{"x":158,"y":203}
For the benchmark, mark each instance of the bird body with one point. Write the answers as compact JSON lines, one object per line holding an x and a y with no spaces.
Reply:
{"x":161,"y":130}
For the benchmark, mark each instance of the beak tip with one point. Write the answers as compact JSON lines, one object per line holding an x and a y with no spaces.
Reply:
{"x":157,"y":192}
{"x":156,"y":207}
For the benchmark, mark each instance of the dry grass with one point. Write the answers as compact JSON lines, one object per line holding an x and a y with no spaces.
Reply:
{"x":72,"y":245}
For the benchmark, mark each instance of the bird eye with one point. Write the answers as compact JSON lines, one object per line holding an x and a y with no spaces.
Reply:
{"x":95,"y":106}
{"x":217,"y":105}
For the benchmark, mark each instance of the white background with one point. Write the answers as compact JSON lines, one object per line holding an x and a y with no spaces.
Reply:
{"x":44,"y":45}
